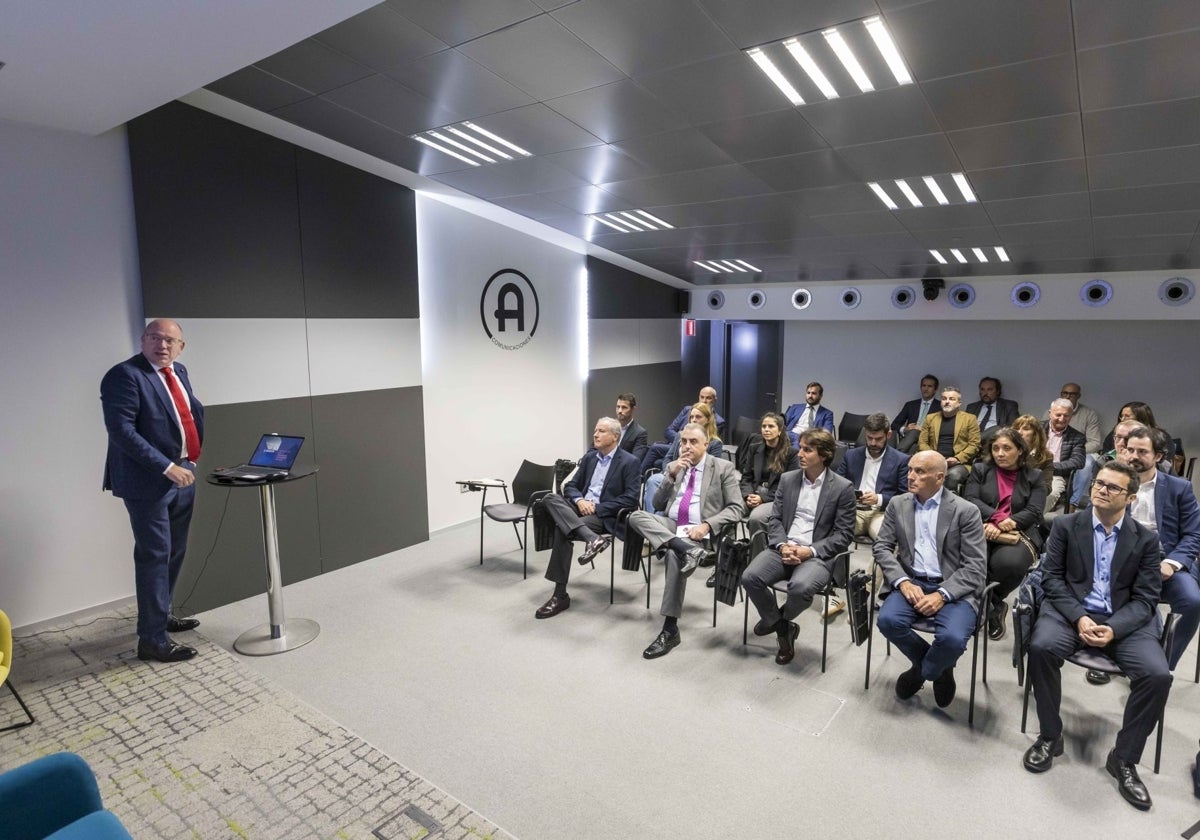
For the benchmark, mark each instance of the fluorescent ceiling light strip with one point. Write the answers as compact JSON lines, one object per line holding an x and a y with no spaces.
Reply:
{"x":964,"y":187}
{"x":732,"y":265}
{"x":810,"y":67}
{"x":656,"y":219}
{"x":937,"y":255}
{"x":842,"y":50}
{"x":707,"y":267}
{"x":768,"y":67}
{"x":958,"y":255}
{"x":497,"y":138}
{"x":612,"y":225}
{"x":460,"y":133}
{"x":883,"y":196}
{"x":935,"y":190}
{"x":444,"y":151}
{"x":721,"y":266}
{"x":634,"y":220}
{"x":752,"y":268}
{"x":979,"y":255}
{"x":1001,"y":253}
{"x":887,"y":48}
{"x":444,"y":139}
{"x":617,"y":218}
{"x":908,"y":193}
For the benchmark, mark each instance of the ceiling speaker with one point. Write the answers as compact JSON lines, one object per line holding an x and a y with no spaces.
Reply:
{"x":1096,"y":292}
{"x":756,"y":299}
{"x":962,"y":295}
{"x":715,"y":299}
{"x":1025,"y":295}
{"x":1176,"y":291}
{"x":903,"y":297}
{"x":851,"y":297}
{"x":801,"y":298}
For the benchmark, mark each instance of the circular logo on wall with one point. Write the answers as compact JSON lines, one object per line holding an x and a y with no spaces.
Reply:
{"x":509,"y":309}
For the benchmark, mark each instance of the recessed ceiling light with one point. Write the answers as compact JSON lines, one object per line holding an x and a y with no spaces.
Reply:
{"x":935,"y":190}
{"x":810,"y":67}
{"x":842,"y":50}
{"x":628,"y":221}
{"x":773,"y":73}
{"x":443,"y":150}
{"x":507,"y":144}
{"x":883,"y":196}
{"x":964,"y":187}
{"x":908,"y":193}
{"x":656,"y":220}
{"x":614,"y":225}
{"x":441,"y":138}
{"x":458,"y":132}
{"x":634,"y":222}
{"x":475,"y":138}
{"x":979,"y":255}
{"x":887,"y":48}
{"x":1001,"y":253}
{"x":937,"y":255}
{"x":707,"y":267}
{"x":733,"y":265}
{"x":752,"y":268}
{"x":958,"y":255}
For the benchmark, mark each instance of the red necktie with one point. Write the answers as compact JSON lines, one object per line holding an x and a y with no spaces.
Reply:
{"x":685,"y":501}
{"x":190,"y":435}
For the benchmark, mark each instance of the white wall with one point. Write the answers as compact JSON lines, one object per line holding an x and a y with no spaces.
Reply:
{"x":487,"y":408}
{"x":71,"y":309}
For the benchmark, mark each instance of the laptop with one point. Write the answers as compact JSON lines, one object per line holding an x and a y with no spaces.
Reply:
{"x":272,"y":458}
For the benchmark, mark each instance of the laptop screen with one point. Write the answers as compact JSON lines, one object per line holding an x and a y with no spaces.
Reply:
{"x":276,"y":452}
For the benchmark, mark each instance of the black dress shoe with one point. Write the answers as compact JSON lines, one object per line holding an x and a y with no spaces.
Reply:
{"x":596,"y":546}
{"x":553,"y":607}
{"x":909,"y":683}
{"x":1128,"y":782}
{"x":171,"y":653}
{"x":661,"y":645}
{"x":181,"y":625}
{"x":692,"y":558}
{"x":996,"y":626}
{"x":787,"y":644}
{"x":1040,"y":756}
{"x":944,"y":688}
{"x":764,"y":627}
{"x":711,"y":583}
{"x":1098,"y":677}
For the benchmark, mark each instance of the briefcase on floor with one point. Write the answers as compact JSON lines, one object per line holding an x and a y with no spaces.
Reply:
{"x":733,"y":556}
{"x":858,"y":603}
{"x":631,"y":557}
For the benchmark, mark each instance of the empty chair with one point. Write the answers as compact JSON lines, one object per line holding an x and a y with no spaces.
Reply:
{"x":6,"y":661}
{"x":850,"y":429}
{"x":531,"y":482}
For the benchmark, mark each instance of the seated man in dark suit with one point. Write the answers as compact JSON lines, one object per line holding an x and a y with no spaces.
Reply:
{"x":992,"y":410}
{"x":1068,"y":446}
{"x":809,"y":414}
{"x":708,"y":394}
{"x":607,"y":481}
{"x":811,"y":523}
{"x":633,"y":436}
{"x":933,"y":557}
{"x":911,"y":418}
{"x":954,"y":434}
{"x":699,"y":496}
{"x":1101,"y":578}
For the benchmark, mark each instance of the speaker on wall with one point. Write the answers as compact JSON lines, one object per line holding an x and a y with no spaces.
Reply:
{"x":756,"y":299}
{"x":1096,"y":292}
{"x":903,"y":297}
{"x":683,"y":301}
{"x":1025,"y":294}
{"x":715,"y":299}
{"x":1176,"y":291}
{"x":961,"y":295}
{"x":851,"y":298}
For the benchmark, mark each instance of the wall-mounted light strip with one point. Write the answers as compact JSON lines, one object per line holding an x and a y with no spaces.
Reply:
{"x":629,"y":221}
{"x":474,"y":138}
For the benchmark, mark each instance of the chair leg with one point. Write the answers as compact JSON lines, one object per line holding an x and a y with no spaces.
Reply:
{"x":612,"y":570}
{"x":870,"y":639}
{"x":1197,"y":677}
{"x":974,"y":661}
{"x":524,"y":549}
{"x":517,"y":531}
{"x":1025,"y":702}
{"x":825,"y":631}
{"x":985,"y":648}
{"x":30,"y":722}
{"x":745,"y":620}
{"x":1158,"y":741}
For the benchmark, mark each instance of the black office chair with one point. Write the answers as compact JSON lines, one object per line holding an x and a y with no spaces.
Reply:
{"x":850,"y":429}
{"x":531,"y":482}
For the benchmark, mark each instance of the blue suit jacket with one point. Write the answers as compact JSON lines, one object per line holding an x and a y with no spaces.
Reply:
{"x":824,"y":420}
{"x":620,"y":489}
{"x":1178,"y":518}
{"x":893,"y":472}
{"x":143,"y":436}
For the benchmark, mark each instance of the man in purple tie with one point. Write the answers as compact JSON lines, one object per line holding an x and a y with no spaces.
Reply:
{"x":699,"y":495}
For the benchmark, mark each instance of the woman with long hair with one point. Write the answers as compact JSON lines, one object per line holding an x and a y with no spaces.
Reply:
{"x":768,"y":456}
{"x":1141,"y":412}
{"x":1034,"y":435}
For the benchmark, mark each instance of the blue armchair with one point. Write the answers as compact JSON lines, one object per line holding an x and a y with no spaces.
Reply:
{"x":55,"y":798}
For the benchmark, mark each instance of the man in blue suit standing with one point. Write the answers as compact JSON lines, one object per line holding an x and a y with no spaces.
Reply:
{"x":155,"y":429}
{"x":607,"y":481}
{"x":810,"y":414}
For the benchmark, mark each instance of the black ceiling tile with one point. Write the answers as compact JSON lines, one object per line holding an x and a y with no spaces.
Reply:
{"x":1101,"y":22}
{"x":1150,"y":70}
{"x":588,"y":199}
{"x":458,"y":84}
{"x":724,"y":88}
{"x":601,"y":164}
{"x":1157,"y":125}
{"x":1012,"y":144}
{"x":542,"y":58}
{"x":870,"y":117}
{"x":618,"y":110}
{"x":1146,"y":224}
{"x":640,"y":37}
{"x":463,"y":20}
{"x":1041,"y":208}
{"x":929,"y":154}
{"x":943,"y":217}
{"x":1045,"y":231}
{"x":390,"y":103}
{"x":518,"y":177}
{"x":538,"y":129}
{"x":849,"y":198}
{"x":767,"y":135}
{"x":1050,"y":178}
{"x":1160,"y":199}
{"x":822,"y":168}
{"x":674,"y":151}
{"x":259,"y":89}
{"x":752,"y":22}
{"x":1039,"y":88}
{"x":1143,"y":169}
{"x":380,"y":38}
{"x":687,"y":187}
{"x":314,"y":67}
{"x":853,"y":224}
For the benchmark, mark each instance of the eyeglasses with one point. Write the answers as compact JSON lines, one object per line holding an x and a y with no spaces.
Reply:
{"x":155,"y":338}
{"x":1109,"y":489}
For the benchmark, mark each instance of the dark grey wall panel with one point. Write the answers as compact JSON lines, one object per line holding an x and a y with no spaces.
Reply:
{"x":658,"y":390}
{"x":371,"y":488}
{"x":615,"y":292}
{"x":359,"y":238}
{"x":225,"y":560}
{"x":217,"y":218}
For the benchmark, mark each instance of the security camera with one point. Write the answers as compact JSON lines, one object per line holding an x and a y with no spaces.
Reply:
{"x":931,"y":287}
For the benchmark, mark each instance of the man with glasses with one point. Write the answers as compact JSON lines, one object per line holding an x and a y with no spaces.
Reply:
{"x":1086,"y":420}
{"x":155,"y":429}
{"x":1101,"y":578}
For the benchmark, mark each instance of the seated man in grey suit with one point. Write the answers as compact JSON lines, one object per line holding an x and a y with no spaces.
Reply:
{"x":607,"y":481}
{"x":699,"y":496}
{"x":811,"y":523}
{"x":933,"y":557}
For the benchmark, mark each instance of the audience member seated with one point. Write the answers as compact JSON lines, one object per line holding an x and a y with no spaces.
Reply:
{"x":1086,"y":420}
{"x":654,"y":455}
{"x":809,"y":414}
{"x":633,"y":435}
{"x":702,"y":415}
{"x":699,"y":496}
{"x":1143,"y":414}
{"x":992,"y":410}
{"x":940,"y":579}
{"x":606,"y":482}
{"x":1102,"y":580}
{"x":811,"y":523}
{"x":1066,"y":445}
{"x":954,"y":435}
{"x":911,"y":418}
{"x":1038,"y":457}
{"x":1010,"y":496}
{"x":766,"y":459}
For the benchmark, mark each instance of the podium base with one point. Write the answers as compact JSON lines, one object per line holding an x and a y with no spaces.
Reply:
{"x":293,"y":633}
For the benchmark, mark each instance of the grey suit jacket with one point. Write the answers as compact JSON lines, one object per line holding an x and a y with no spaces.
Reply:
{"x":720,"y":499}
{"x":833,"y":527}
{"x":962,"y":550}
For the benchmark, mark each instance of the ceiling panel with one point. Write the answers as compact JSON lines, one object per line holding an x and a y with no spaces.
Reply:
{"x":1040,"y":208}
{"x":1133,"y":72}
{"x":687,"y":187}
{"x":456,"y":21}
{"x":1147,"y":224}
{"x":1140,"y":169}
{"x":882,"y":115}
{"x":259,"y":89}
{"x":459,"y":84}
{"x":1011,"y":144}
{"x":1100,"y":22}
{"x":724,"y":88}
{"x":518,"y":177}
{"x":853,"y":224}
{"x":1164,"y":198}
{"x":750,"y":209}
{"x":928,"y":154}
{"x":752,"y":22}
{"x":386,"y":101}
{"x":674,"y":151}
{"x":314,"y":67}
{"x":1059,"y":176}
{"x":332,"y":121}
{"x":1039,"y":88}
{"x":618,"y":110}
{"x":533,"y":206}
{"x":1045,"y":231}
{"x":601,"y":164}
{"x":976,"y":237}
{"x":588,"y":199}
{"x":1118,"y":246}
{"x":380,"y":38}
{"x":1158,"y":125}
{"x":805,"y":171}
{"x":767,"y":135}
{"x":849,"y":198}
{"x":943,"y":217}
{"x":538,"y":129}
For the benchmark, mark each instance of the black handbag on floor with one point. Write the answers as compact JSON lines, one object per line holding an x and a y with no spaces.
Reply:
{"x":543,"y":527}
{"x":733,"y":556}
{"x":631,"y":557}
{"x":858,"y":603}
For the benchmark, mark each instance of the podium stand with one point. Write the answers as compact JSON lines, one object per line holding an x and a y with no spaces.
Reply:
{"x":280,"y":633}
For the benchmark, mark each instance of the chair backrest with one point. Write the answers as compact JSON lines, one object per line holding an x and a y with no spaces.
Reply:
{"x":530,"y":479}
{"x":850,"y":430}
{"x":5,"y":646}
{"x":839,"y":455}
{"x":742,"y":430}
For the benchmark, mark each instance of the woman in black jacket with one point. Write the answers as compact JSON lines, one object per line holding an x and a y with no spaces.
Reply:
{"x":1011,"y":497}
{"x":767,"y":458}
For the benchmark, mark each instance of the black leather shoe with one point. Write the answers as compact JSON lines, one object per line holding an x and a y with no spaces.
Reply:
{"x":181,"y":625}
{"x":909,"y":683}
{"x":711,"y":583}
{"x":944,"y":688}
{"x":996,"y":625}
{"x":764,"y":628}
{"x":595,"y":547}
{"x":1098,"y":677}
{"x":661,"y":645}
{"x":1128,"y":782}
{"x":171,"y":653}
{"x":787,"y":644}
{"x":1040,"y":756}
{"x":553,"y":607}
{"x":692,"y":558}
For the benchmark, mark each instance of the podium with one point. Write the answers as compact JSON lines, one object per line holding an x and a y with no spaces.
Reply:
{"x":280,"y":633}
